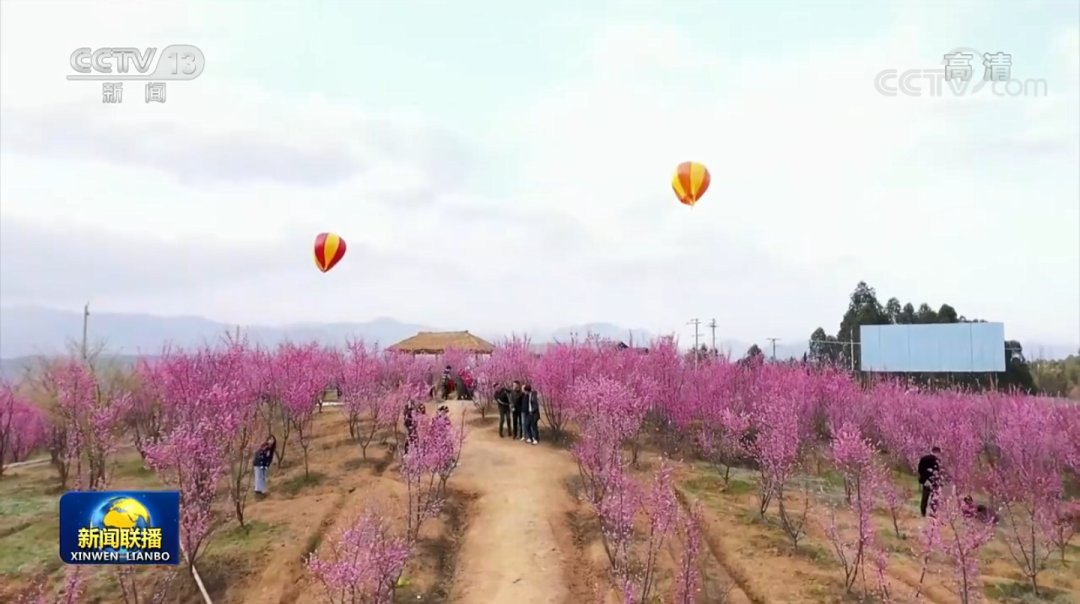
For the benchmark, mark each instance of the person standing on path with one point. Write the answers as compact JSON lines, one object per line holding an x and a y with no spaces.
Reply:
{"x":444,"y":383}
{"x":929,"y":479}
{"x":532,"y":415}
{"x":264,"y":456}
{"x":410,"y":423}
{"x":502,"y":401}
{"x":516,"y":399}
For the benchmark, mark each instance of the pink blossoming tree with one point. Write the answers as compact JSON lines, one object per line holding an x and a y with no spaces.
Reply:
{"x":22,"y":426}
{"x":854,"y":458}
{"x":363,"y":564}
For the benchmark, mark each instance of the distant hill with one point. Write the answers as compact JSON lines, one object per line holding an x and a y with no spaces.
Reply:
{"x":13,"y":369}
{"x":28,"y":331}
{"x":35,"y":331}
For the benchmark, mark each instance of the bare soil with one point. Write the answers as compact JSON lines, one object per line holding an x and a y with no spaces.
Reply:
{"x":518,"y":548}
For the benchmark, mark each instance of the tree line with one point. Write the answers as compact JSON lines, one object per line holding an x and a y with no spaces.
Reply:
{"x":1058,"y":377}
{"x":864,"y":308}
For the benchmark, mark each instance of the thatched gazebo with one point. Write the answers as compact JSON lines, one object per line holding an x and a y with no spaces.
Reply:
{"x":437,"y":342}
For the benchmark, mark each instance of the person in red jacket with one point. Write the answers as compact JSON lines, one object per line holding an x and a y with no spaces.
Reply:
{"x":467,"y":383}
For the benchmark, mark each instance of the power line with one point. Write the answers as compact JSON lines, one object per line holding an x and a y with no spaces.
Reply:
{"x":851,"y":343}
{"x":712,"y":327}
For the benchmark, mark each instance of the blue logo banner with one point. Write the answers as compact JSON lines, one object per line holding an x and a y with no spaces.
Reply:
{"x":120,"y":527}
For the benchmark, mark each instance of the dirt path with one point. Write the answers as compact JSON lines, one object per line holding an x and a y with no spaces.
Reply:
{"x":515,"y":549}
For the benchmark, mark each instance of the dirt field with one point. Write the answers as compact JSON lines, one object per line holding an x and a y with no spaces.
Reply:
{"x":515,"y":532}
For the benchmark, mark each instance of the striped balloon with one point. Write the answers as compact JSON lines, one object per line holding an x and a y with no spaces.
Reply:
{"x":329,"y":250}
{"x":690,"y":182}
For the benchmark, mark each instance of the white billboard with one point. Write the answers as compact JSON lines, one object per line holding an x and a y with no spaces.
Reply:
{"x":933,"y":348}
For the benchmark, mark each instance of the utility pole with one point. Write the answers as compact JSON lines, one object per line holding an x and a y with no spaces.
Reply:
{"x":712,"y":327}
{"x":697,"y":335}
{"x":773,"y":341}
{"x":85,"y":321}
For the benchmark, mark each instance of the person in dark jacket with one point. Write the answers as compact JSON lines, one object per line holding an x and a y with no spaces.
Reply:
{"x":502,"y":401}
{"x":264,"y":456}
{"x":531,"y":408}
{"x":929,"y":479}
{"x":516,"y":399}
{"x":444,"y":383}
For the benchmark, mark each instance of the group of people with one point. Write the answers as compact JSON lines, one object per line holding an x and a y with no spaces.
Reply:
{"x":519,"y":412}
{"x":463,"y":384}
{"x":931,"y":479}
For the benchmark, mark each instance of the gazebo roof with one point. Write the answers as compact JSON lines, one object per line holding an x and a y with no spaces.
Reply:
{"x":437,"y":342}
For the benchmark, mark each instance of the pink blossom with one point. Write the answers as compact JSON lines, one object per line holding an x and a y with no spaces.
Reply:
{"x":427,"y":464}
{"x":22,"y":426}
{"x":688,"y":578}
{"x":193,"y":457}
{"x":966,"y":534}
{"x":1025,"y":478}
{"x":363,"y":564}
{"x":855,"y":459}
{"x":86,"y":423}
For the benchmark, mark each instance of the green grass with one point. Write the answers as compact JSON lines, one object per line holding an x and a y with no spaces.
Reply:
{"x":751,"y":516}
{"x":703,"y":486}
{"x":833,"y":478}
{"x":293,"y":486}
{"x":29,"y":529}
{"x":707,"y":481}
{"x":133,"y":468}
{"x":32,"y":548}
{"x":740,"y":487}
{"x":815,"y":553}
{"x":1021,"y":593}
{"x":19,"y":508}
{"x":39,"y":481}
{"x":235,"y":540}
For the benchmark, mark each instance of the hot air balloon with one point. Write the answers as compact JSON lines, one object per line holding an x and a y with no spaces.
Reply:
{"x":690,"y":182}
{"x":329,"y":250}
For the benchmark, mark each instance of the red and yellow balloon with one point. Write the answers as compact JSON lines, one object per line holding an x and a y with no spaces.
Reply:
{"x":690,"y":182}
{"x":329,"y":250}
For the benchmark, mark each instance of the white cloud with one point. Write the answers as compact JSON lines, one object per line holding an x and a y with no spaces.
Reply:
{"x":566,"y":214}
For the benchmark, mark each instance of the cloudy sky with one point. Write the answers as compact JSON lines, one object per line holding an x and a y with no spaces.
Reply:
{"x":499,"y":165}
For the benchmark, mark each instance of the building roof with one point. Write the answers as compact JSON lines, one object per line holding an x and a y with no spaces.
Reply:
{"x":437,"y":342}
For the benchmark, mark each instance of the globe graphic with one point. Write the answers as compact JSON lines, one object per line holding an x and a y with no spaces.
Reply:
{"x":121,"y":513}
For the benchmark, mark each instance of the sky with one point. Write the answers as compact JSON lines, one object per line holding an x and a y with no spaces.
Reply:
{"x":507,"y":165}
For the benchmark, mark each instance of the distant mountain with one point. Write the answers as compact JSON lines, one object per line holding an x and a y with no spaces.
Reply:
{"x":28,"y":331}
{"x":34,"y":331}
{"x":13,"y":369}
